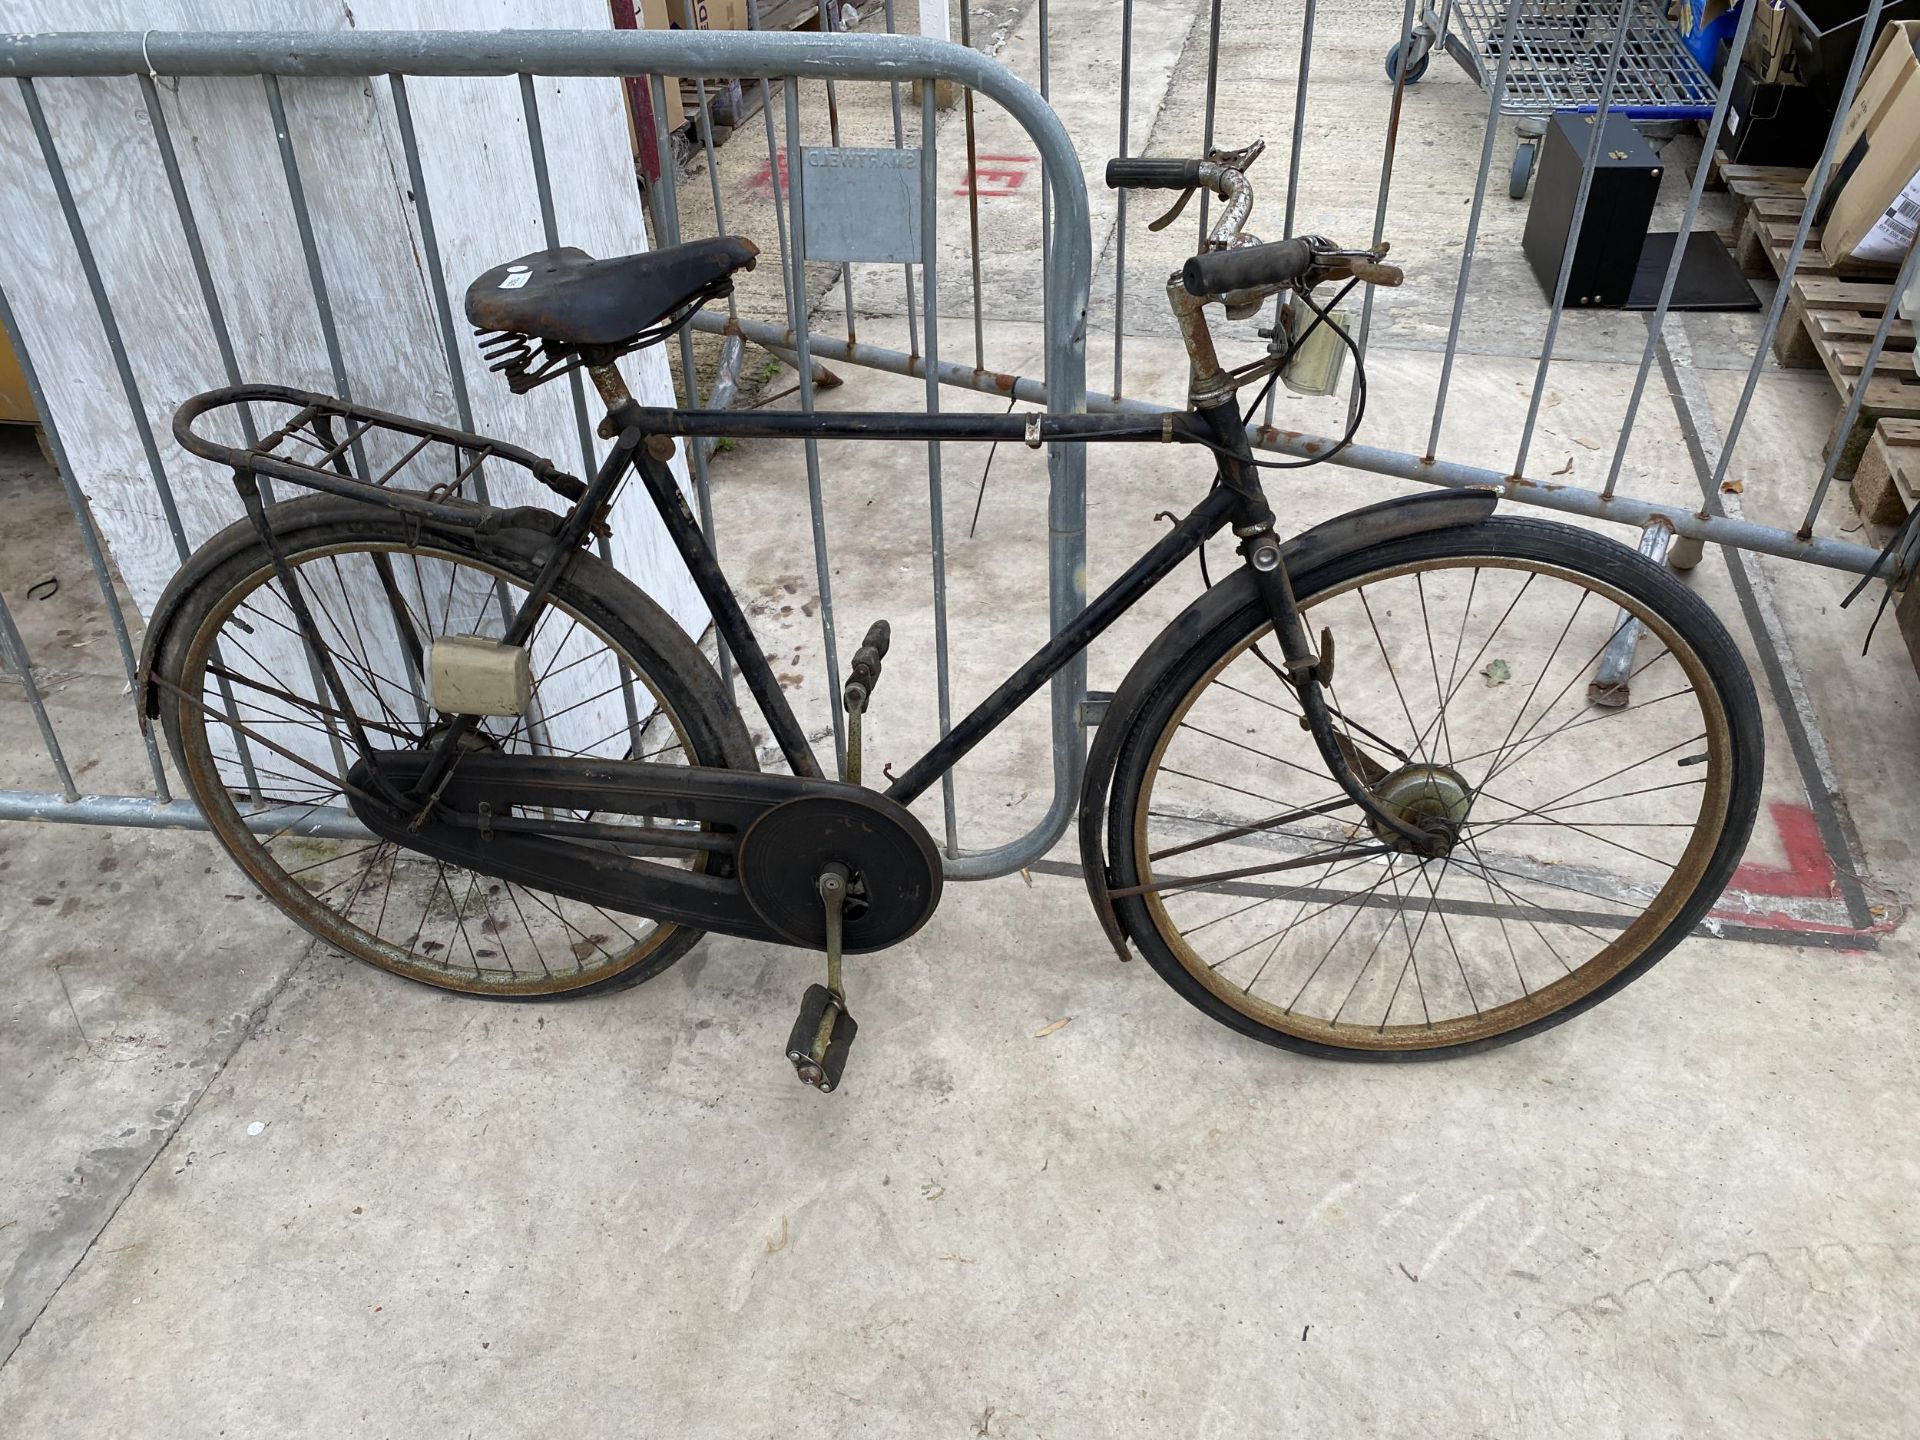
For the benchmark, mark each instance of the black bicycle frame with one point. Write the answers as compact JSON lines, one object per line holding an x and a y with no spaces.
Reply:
{"x":643,"y":441}
{"x":1224,"y":502}
{"x":1235,"y":497}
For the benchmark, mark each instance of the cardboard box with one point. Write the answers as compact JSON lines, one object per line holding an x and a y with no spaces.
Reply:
{"x":16,"y":405}
{"x":1769,"y":42}
{"x":1873,"y":198}
{"x":1822,"y":36}
{"x":707,"y":15}
{"x":654,"y":16}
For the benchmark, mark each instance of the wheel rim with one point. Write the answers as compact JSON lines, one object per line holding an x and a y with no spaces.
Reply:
{"x":1393,"y":952}
{"x":426,"y":919}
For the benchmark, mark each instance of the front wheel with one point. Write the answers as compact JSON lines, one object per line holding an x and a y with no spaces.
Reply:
{"x":1585,"y":841}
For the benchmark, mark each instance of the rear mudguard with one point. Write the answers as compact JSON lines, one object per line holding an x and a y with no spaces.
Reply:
{"x":1341,"y":536}
{"x":523,"y":527}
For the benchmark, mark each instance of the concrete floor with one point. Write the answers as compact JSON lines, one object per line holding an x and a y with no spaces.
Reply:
{"x":250,"y":1188}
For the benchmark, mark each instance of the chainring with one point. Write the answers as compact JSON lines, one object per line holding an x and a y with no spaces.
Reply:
{"x":895,"y":868}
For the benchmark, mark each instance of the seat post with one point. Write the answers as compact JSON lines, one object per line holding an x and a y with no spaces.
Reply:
{"x":612,"y":386}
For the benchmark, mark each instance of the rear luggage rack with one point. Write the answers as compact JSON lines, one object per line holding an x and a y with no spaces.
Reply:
{"x":322,"y":443}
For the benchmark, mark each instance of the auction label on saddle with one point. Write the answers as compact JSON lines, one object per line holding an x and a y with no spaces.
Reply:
{"x":861,"y":204}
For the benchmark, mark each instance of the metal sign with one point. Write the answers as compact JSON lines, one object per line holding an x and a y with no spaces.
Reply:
{"x":861,"y":204}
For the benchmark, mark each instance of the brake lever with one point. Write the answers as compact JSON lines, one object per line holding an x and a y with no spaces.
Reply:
{"x":1365,"y":266}
{"x":1372,"y":272}
{"x":1174,"y":214}
{"x":1240,"y":160}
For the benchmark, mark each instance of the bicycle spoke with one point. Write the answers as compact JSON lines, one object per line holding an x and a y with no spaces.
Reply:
{"x":468,"y":930}
{"x":1281,"y":938}
{"x":1386,"y":928}
{"x":1221,"y":876}
{"x":1254,"y":750}
{"x":1353,"y":899}
{"x":1493,"y":766}
{"x":1444,"y":746}
{"x":1270,"y":826}
{"x":1380,"y":742}
{"x":1412,"y":729}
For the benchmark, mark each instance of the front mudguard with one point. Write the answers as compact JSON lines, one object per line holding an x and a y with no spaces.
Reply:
{"x":1341,"y":536}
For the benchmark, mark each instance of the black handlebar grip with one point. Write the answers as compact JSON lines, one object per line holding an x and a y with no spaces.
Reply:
{"x":1137,"y":174}
{"x":1251,"y":267}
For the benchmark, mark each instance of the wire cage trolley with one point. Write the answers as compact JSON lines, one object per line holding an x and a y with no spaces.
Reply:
{"x":1556,"y":56}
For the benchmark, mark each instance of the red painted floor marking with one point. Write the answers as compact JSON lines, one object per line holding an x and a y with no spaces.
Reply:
{"x":1808,"y":873}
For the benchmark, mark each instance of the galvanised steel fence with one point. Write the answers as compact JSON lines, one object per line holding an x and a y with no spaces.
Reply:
{"x":787,"y":73}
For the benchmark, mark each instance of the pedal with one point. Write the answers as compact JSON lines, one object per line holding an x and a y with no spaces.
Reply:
{"x":823,"y":1031}
{"x":861,"y":679}
{"x":822,"y":1035}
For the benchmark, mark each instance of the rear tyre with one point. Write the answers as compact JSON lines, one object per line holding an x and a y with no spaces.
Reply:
{"x":238,"y":702}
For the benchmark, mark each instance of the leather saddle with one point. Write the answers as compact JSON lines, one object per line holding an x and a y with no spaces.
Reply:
{"x":568,"y":299}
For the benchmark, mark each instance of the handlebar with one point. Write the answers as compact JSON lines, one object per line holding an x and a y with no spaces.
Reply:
{"x":1138,"y":173}
{"x":1248,"y":268}
{"x":1234,"y":269}
{"x":1282,"y":262}
{"x":1186,"y":176}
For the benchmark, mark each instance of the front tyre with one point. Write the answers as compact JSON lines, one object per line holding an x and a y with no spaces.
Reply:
{"x":1590,"y":837}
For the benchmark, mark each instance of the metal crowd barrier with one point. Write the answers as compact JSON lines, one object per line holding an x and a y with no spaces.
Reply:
{"x":1688,"y":527}
{"x":398,"y":56}
{"x":766,"y":61}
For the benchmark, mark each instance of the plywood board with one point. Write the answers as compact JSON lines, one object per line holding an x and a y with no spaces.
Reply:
{"x":478,"y":175}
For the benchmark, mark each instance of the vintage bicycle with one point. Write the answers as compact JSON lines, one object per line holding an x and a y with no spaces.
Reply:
{"x":1364,"y":798}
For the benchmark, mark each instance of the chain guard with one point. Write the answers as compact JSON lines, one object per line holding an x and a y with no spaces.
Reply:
{"x":760,"y":886}
{"x":895,"y":868}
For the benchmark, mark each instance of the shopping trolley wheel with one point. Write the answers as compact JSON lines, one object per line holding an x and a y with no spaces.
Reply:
{"x":1522,"y":170}
{"x":1416,"y":66}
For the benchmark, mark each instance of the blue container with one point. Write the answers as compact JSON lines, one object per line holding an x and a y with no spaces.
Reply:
{"x":1704,"y":24}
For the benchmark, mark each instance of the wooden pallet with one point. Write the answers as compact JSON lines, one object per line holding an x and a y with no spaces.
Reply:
{"x":1832,"y":312}
{"x":732,"y":103}
{"x":1887,"y":484}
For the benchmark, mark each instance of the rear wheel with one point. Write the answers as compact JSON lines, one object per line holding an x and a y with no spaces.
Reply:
{"x":1589,"y":837}
{"x":613,"y":677}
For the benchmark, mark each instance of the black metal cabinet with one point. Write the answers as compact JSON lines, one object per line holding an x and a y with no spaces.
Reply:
{"x":1626,"y":179}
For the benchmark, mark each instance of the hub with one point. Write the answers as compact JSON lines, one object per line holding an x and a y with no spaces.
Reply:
{"x":1433,"y":798}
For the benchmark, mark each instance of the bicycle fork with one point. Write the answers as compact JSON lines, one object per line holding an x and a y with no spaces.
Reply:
{"x":1307,"y":671}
